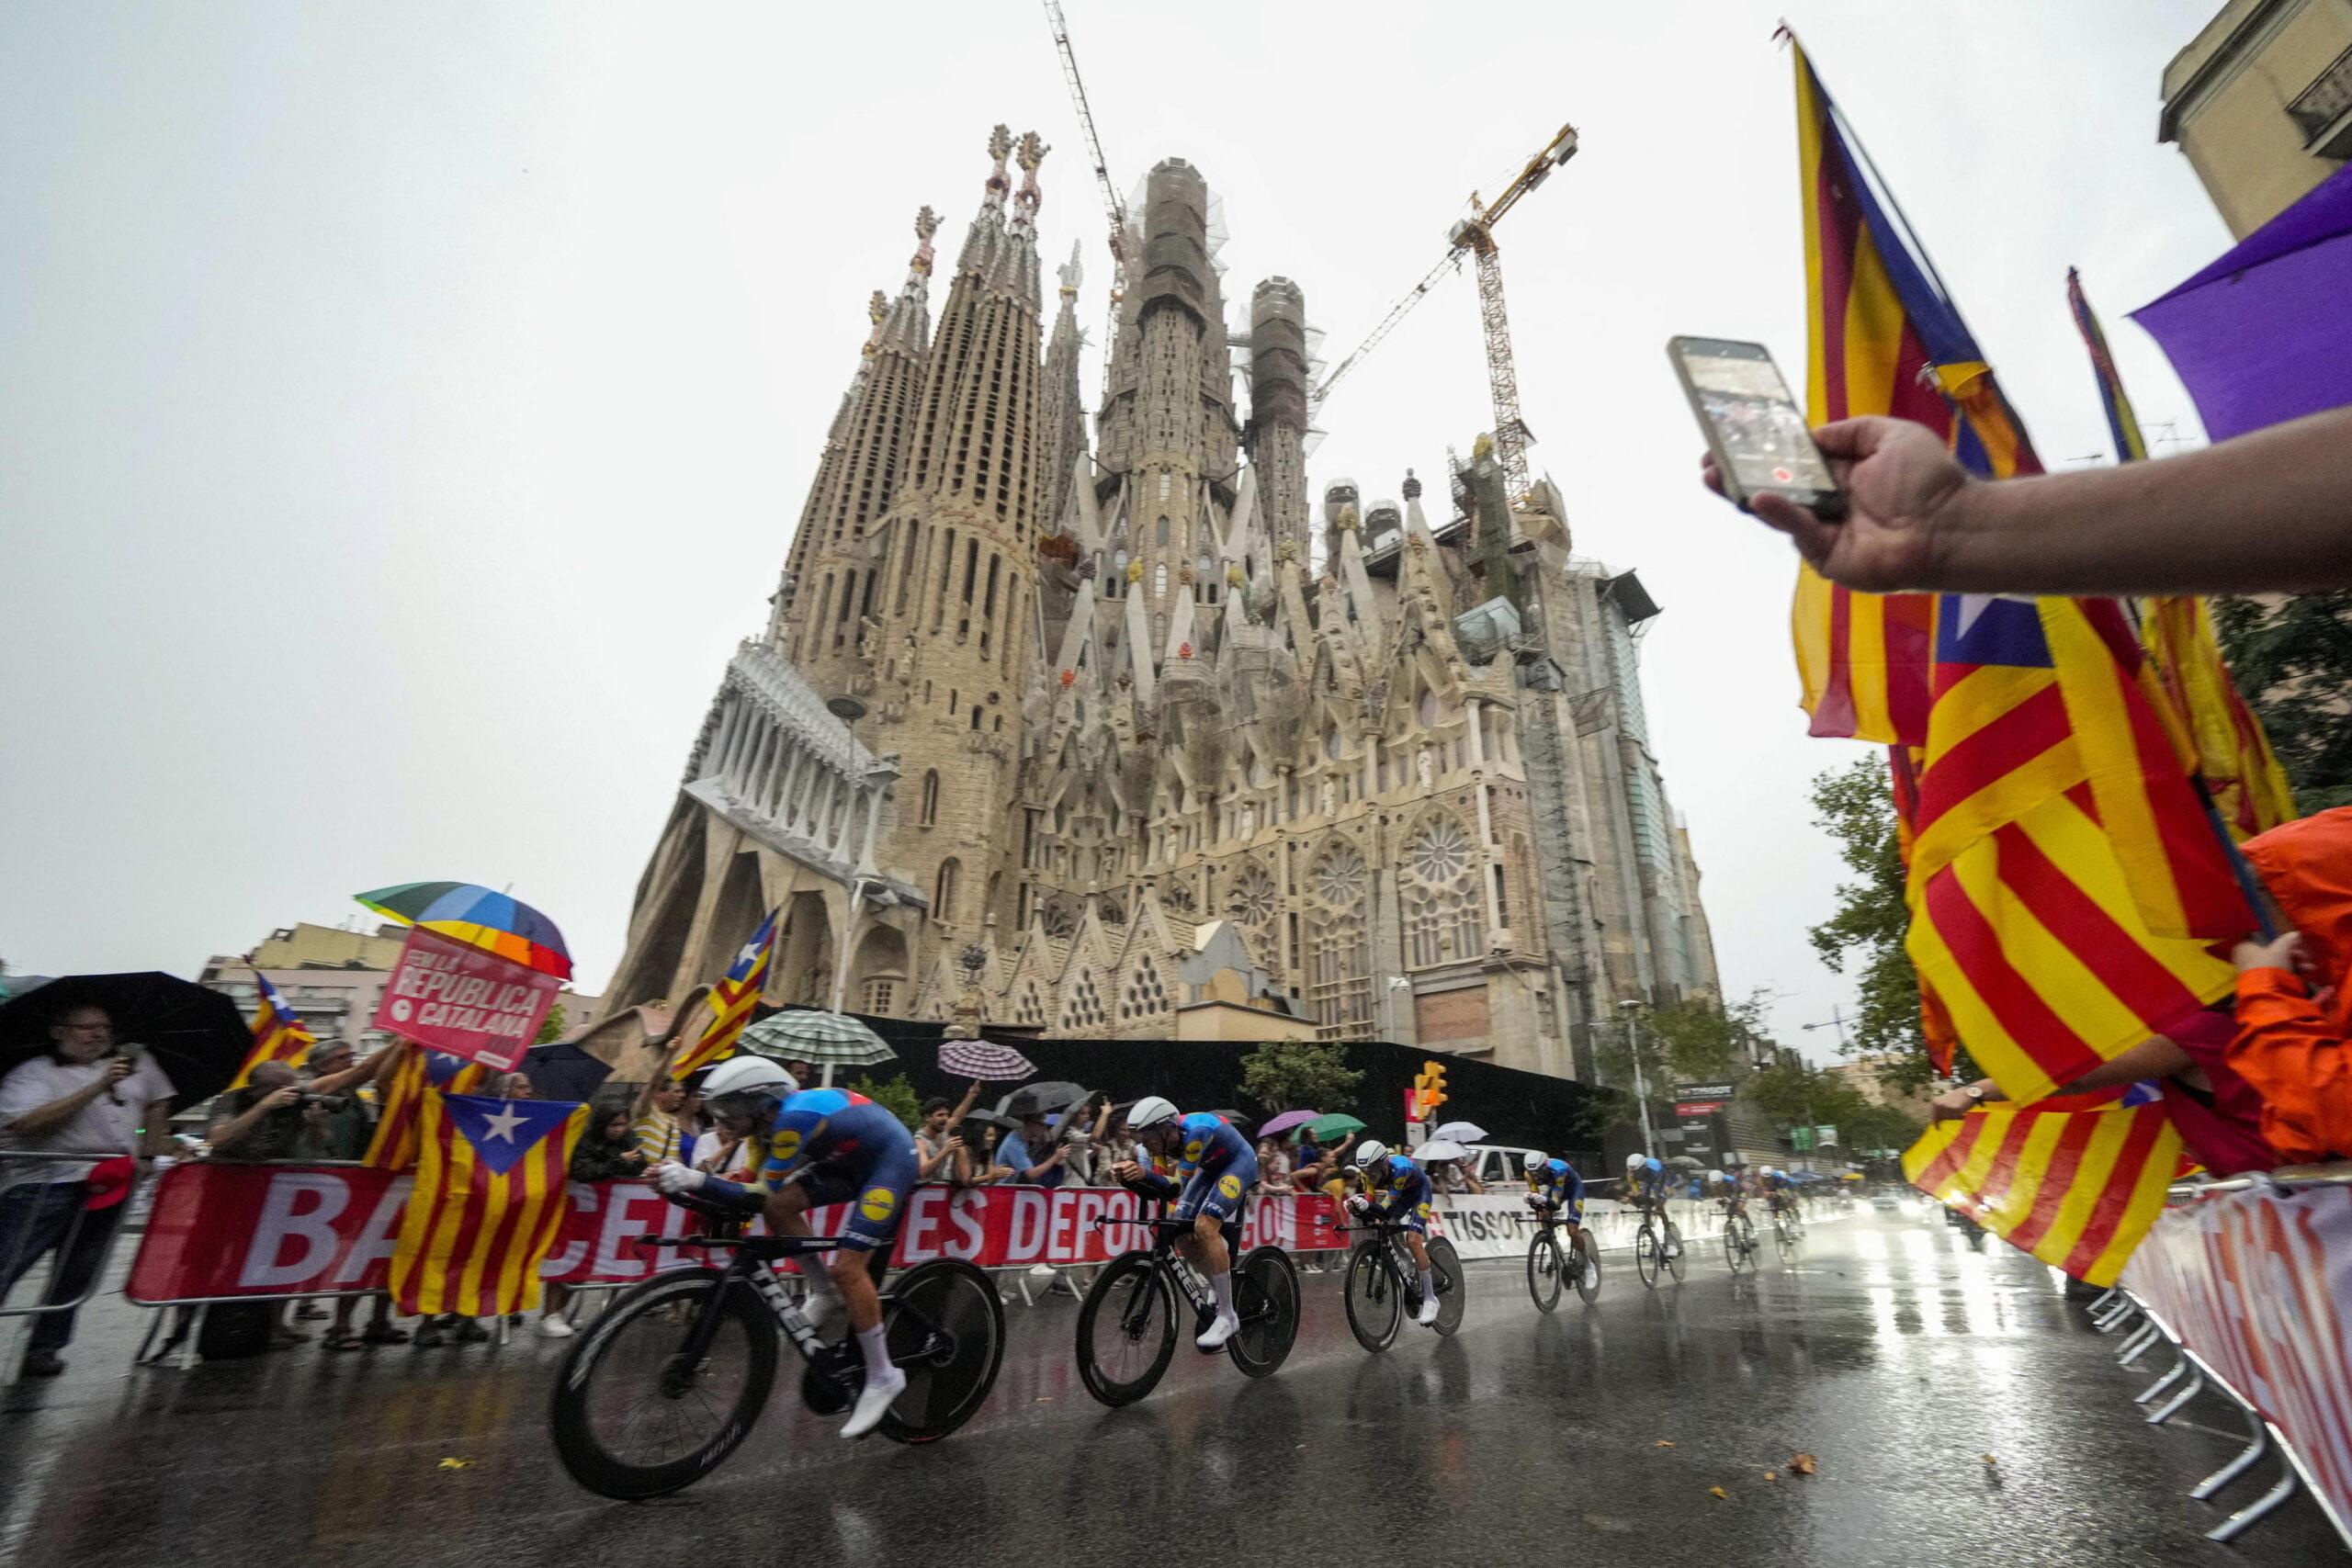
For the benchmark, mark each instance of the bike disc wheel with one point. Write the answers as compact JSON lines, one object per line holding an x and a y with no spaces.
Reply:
{"x":1543,"y":1269}
{"x":945,"y":1328}
{"x":630,"y":1423}
{"x":1645,"y":1255}
{"x":1266,"y":1292}
{"x":1452,"y":1290}
{"x":1127,"y":1330}
{"x":1375,"y":1298}
{"x":1587,"y":1281}
{"x":1674,"y":1252}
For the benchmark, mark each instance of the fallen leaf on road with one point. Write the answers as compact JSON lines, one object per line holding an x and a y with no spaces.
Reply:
{"x":1771,"y":1475}
{"x":1717,"y":1491}
{"x":461,"y":1463}
{"x":1663,"y":1444}
{"x":1803,"y":1464}
{"x":1990,"y":1459}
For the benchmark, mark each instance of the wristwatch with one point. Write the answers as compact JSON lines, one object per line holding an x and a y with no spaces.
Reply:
{"x":1974,"y":1091}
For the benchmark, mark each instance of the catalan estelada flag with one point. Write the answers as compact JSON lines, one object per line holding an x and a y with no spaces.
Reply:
{"x":1885,"y":339}
{"x":2025,"y":923}
{"x":418,"y":1072}
{"x":488,"y":1195}
{"x":2217,"y":734}
{"x":2076,"y":1181}
{"x":278,"y":1034}
{"x":731,"y":1001}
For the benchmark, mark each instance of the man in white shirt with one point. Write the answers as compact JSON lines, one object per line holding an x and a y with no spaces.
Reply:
{"x":87,"y":1096}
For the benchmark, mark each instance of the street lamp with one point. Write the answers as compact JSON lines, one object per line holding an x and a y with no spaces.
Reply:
{"x":1641,"y":1083}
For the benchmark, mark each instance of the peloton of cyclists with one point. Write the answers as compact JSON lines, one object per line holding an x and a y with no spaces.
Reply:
{"x":1215,"y":1168}
{"x":1645,"y":1184}
{"x":1396,"y":1189}
{"x":823,"y":1146}
{"x":1554,"y":1188}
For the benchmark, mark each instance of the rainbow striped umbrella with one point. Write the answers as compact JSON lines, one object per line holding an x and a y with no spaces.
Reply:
{"x":478,"y":918}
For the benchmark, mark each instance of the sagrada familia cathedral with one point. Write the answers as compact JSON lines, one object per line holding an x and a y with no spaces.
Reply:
{"x":1126,"y":737}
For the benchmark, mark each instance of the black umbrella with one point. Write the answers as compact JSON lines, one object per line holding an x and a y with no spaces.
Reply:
{"x":1040,"y":1098}
{"x":563,"y":1071}
{"x":992,"y":1118}
{"x":196,"y":1035}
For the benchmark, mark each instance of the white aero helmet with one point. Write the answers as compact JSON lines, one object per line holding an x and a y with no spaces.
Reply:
{"x":1371,"y":1152}
{"x":748,"y":1075}
{"x":1714,"y":1176}
{"x":1634,"y":1161}
{"x":1149,"y":1111}
{"x":1536,"y":1161}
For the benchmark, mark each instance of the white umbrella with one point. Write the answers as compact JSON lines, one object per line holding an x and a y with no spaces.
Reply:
{"x":1460,"y":1132}
{"x":1440,"y":1149}
{"x":824,"y":1040}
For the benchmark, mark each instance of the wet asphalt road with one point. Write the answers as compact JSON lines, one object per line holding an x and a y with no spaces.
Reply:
{"x":1888,"y":1350}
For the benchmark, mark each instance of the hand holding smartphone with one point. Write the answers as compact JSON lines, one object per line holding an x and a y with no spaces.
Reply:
{"x":1753,"y":425}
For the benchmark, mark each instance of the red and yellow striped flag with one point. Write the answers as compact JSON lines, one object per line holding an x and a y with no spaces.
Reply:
{"x":278,"y":1034}
{"x":1883,"y":339}
{"x":394,"y":1146}
{"x":732,"y":1001}
{"x":2076,"y":1181}
{"x":489,"y":1197}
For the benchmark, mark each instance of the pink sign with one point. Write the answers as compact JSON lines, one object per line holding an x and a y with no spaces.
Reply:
{"x":448,"y":997}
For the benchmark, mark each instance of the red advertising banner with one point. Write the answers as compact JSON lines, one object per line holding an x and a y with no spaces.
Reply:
{"x":448,"y":997}
{"x":290,"y":1230}
{"x":2254,"y":1282}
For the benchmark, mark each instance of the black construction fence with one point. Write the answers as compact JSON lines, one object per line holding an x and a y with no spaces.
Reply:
{"x":1525,"y":1109}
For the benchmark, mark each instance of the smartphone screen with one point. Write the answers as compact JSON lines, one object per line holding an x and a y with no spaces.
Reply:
{"x":1758,"y":432}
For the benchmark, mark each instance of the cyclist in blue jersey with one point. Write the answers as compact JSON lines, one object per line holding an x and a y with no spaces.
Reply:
{"x":1644,"y":1188}
{"x":823,"y":1146}
{"x":1554,"y":1187}
{"x":1396,"y":1188}
{"x":1780,"y":1191}
{"x":1215,"y":1168}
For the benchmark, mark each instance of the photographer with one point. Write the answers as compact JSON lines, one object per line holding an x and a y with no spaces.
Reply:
{"x":275,"y":1117}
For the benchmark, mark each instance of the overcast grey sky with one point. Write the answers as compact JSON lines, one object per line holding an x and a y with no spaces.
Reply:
{"x":407,"y":405}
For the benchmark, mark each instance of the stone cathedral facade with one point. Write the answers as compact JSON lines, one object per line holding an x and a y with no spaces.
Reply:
{"x":1075,"y":720}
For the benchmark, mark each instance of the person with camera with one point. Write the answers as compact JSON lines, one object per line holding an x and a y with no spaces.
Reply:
{"x":275,"y":1116}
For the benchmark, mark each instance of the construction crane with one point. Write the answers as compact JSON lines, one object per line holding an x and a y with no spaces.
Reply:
{"x":1475,"y":236}
{"x":1112,"y":204}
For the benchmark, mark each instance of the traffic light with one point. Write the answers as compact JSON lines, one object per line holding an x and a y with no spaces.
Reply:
{"x":1429,"y":1089}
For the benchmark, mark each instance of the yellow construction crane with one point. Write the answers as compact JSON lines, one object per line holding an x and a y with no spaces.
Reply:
{"x":1475,"y":236}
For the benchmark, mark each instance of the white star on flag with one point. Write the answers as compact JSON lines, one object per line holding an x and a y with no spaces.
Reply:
{"x":751,"y":950}
{"x":502,"y":1125}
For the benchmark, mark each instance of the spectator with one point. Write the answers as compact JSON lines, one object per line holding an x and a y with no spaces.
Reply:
{"x":85,"y":1096}
{"x":263,"y":1121}
{"x":655,"y":1116}
{"x":933,"y":1148}
{"x":1917,"y":519}
{"x":511,"y":1086}
{"x":1274,"y":1168}
{"x":975,"y":1163}
{"x":1031,"y":1168}
{"x":344,"y":1134}
{"x":2294,"y":1004}
{"x":607,"y":1152}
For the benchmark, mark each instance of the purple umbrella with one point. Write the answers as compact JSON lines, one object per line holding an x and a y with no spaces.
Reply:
{"x":2262,"y":336}
{"x":1276,"y":1126}
{"x":985,"y":1060}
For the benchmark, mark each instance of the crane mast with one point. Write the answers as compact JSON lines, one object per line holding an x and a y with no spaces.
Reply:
{"x":1113,"y":206}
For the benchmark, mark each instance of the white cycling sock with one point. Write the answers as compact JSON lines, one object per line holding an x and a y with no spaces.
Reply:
{"x":1429,"y":1283}
{"x":870,"y":1342}
{"x":1221,"y":1286}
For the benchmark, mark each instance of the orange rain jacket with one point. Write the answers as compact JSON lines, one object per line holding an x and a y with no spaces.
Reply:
{"x":2294,"y":1045}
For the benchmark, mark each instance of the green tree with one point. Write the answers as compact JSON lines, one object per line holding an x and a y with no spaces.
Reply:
{"x":895,"y":1095}
{"x":1681,"y":1041}
{"x":1855,"y":806}
{"x":1792,"y":1094}
{"x":552,"y":1027}
{"x":1299,"y":1075}
{"x":2292,"y":659}
{"x":1878,"y":1127}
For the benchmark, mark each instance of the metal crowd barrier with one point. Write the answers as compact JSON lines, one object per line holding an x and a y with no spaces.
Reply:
{"x":2112,"y":1312}
{"x":20,"y":1257}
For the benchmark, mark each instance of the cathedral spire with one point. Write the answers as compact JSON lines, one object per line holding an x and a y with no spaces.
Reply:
{"x":909,"y":324}
{"x":1000,"y":183}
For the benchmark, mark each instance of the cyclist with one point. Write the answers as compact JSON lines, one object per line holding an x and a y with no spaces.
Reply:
{"x":1215,"y":1168}
{"x":1396,"y":1188}
{"x":823,"y":1146}
{"x":1644,"y":1188}
{"x":1780,"y":1191}
{"x":1554,"y":1187}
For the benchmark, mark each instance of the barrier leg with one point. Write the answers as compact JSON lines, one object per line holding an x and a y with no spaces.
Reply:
{"x":2165,"y":1411}
{"x":2163,"y":1382}
{"x":2254,"y":1513}
{"x":2258,"y":1445}
{"x":2139,"y":1344}
{"x":2115,"y":1316}
{"x":2104,"y":1301}
{"x":189,"y":1360}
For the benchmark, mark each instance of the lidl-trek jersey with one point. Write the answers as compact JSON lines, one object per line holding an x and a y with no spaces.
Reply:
{"x":844,"y":1149}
